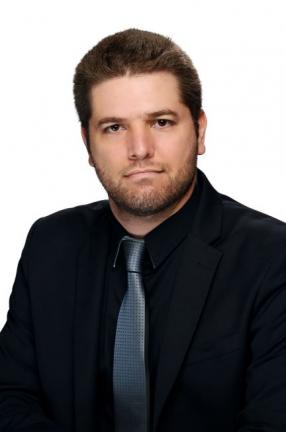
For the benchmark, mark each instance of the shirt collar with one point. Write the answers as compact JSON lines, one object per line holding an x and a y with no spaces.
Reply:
{"x":163,"y":239}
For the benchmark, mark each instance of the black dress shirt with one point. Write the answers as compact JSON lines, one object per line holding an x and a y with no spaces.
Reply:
{"x":163,"y":249}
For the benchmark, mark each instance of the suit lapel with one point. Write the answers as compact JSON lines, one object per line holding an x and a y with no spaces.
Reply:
{"x":193,"y":282}
{"x":195,"y":274}
{"x":89,"y":292}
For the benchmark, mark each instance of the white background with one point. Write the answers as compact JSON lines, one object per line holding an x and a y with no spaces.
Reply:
{"x":239,"y":50}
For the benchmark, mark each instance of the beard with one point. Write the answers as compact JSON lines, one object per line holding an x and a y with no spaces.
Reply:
{"x":142,"y":198}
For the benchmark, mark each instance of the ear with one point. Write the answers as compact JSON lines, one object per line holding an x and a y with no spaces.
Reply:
{"x":83,"y":132}
{"x":85,"y":140}
{"x":202,"y":122}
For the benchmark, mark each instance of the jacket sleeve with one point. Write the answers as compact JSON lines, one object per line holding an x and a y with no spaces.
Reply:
{"x":265,"y":379}
{"x":21,"y":404}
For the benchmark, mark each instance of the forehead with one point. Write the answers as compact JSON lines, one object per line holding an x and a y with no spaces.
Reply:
{"x":128,"y":93}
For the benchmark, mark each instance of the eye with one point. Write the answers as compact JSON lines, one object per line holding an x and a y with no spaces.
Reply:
{"x":112,"y":128}
{"x":163,"y":122}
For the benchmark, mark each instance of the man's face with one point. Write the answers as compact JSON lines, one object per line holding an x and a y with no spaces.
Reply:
{"x":128,"y":132}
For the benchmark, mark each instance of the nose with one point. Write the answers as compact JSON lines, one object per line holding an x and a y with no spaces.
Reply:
{"x":140,"y":143}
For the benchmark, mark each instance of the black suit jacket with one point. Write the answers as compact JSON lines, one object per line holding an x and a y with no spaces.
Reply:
{"x":223,"y":358}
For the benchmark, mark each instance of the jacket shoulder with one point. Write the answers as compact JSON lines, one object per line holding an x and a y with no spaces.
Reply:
{"x":70,"y":224}
{"x":250,"y":224}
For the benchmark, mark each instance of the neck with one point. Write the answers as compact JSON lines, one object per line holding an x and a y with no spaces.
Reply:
{"x":140,"y":226}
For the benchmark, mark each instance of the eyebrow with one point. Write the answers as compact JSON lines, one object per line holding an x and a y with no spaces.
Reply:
{"x":149,"y":115}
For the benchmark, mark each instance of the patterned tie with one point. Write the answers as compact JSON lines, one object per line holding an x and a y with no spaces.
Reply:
{"x":130,"y":375}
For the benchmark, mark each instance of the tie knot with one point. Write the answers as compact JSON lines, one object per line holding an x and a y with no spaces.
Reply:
{"x":134,"y":253}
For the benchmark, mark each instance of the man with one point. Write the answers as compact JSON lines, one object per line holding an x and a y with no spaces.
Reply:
{"x":162,"y":308}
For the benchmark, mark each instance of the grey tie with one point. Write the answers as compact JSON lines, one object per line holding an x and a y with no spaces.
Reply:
{"x":130,"y":375}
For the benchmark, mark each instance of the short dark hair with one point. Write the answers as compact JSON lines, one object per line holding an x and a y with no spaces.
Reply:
{"x":135,"y":51}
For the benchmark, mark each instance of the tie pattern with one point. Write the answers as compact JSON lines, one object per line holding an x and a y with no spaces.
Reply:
{"x":130,"y":376}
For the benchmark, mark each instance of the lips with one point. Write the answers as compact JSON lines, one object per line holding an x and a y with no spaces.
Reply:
{"x":142,"y":172}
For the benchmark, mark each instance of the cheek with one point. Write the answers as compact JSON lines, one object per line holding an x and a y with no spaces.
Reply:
{"x":175,"y":152}
{"x":107,"y":156}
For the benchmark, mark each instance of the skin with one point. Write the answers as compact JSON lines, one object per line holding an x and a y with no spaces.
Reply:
{"x":163,"y":143}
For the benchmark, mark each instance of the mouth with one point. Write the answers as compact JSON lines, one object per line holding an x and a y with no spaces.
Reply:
{"x":143,"y":174}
